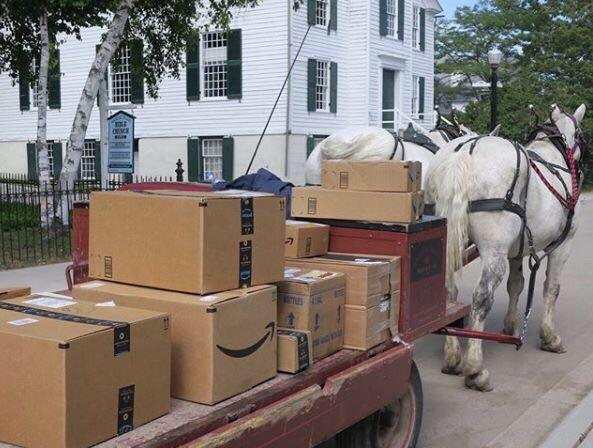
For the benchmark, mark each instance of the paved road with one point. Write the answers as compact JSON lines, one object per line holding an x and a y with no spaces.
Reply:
{"x":41,"y":278}
{"x":534,"y":390}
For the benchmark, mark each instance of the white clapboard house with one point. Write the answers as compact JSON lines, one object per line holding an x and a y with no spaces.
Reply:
{"x":364,"y":62}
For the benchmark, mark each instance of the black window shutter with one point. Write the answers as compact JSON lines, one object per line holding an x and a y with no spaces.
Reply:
{"x":333,"y":21}
{"x":54,"y":81}
{"x":311,"y":4}
{"x":192,"y":68}
{"x":98,"y":160}
{"x":194,"y":157}
{"x":311,"y":84}
{"x":333,"y":98}
{"x":383,"y":17}
{"x":106,"y":75}
{"x":422,"y":29}
{"x":136,"y":71}
{"x":401,"y":14}
{"x":421,"y":89}
{"x":310,"y":144}
{"x":57,"y":159}
{"x":32,"y":161}
{"x":228,"y":151}
{"x":24,"y":95}
{"x":234,"y":69}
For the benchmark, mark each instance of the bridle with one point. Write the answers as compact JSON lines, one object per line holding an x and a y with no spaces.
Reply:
{"x":449,"y":131}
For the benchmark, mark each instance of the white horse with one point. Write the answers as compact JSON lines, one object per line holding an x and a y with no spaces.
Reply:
{"x":457,"y":178}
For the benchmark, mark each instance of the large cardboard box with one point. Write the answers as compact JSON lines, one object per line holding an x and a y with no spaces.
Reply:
{"x":14,"y":292}
{"x":305,"y":239}
{"x":223,"y":344}
{"x":313,"y":300}
{"x":372,"y":175}
{"x":295,"y":350}
{"x":366,"y":327}
{"x":197,"y":242}
{"x":316,"y":202}
{"x":75,"y":374}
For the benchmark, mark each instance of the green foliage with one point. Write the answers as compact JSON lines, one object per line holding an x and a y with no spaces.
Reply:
{"x":17,"y":216}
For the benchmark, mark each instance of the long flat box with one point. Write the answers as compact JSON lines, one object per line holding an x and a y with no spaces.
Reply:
{"x":372,"y":175}
{"x":196,"y":242}
{"x":223,"y":343}
{"x":316,"y":202}
{"x":305,"y":239}
{"x":75,"y":374}
{"x":365,"y":328}
{"x":14,"y":292}
{"x":313,"y":300}
{"x":295,"y":350}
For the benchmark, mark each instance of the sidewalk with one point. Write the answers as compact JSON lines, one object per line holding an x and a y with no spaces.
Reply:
{"x":49,"y":277}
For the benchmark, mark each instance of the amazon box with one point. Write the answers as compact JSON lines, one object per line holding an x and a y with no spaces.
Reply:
{"x":196,"y":242}
{"x":372,"y":175}
{"x":14,"y":292}
{"x":305,"y":239}
{"x":313,"y":300}
{"x":75,"y":374}
{"x":295,"y":350}
{"x":366,"y":327}
{"x":222,"y":344}
{"x":316,"y":202}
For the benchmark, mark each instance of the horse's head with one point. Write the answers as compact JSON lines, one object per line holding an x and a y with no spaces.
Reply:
{"x":570,"y":127}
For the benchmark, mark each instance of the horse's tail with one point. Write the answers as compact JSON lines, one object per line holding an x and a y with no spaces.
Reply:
{"x":448,"y":185}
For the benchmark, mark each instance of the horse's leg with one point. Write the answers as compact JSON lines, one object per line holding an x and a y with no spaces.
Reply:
{"x":452,"y":355}
{"x":550,"y":341}
{"x":515,"y":285}
{"x":493,"y":270}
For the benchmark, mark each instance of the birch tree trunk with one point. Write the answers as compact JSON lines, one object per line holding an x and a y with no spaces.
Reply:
{"x":41,"y":144}
{"x":89,"y":93}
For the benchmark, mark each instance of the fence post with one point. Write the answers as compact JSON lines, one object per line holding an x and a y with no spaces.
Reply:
{"x":179,"y":171}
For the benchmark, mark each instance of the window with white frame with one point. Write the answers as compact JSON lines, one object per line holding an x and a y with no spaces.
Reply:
{"x":322,"y":89}
{"x":87,"y":161}
{"x":415,"y":96}
{"x":392,"y":18}
{"x":416,"y":28}
{"x":35,"y":85}
{"x":212,"y":159}
{"x":321,"y":12}
{"x":120,"y":77}
{"x":214,"y":64}
{"x":50,"y":157}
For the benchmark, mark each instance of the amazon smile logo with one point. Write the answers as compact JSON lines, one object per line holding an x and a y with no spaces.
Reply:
{"x":247,"y":351}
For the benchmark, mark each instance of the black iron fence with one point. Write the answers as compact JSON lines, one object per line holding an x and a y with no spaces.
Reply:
{"x":36,"y":219}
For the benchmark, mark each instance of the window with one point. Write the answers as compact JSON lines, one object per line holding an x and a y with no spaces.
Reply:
{"x":87,"y":162}
{"x":35,"y":84}
{"x":322,"y":86}
{"x":392,"y":18}
{"x":415,"y":95}
{"x":212,"y":159}
{"x":214,"y":64}
{"x":50,"y":158}
{"x":120,"y":85}
{"x":416,"y":28}
{"x":321,"y":12}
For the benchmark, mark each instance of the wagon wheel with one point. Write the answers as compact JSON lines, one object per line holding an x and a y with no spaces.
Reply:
{"x":395,"y":426}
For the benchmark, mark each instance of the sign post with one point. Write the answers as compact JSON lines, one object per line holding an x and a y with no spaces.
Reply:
{"x":121,"y":143}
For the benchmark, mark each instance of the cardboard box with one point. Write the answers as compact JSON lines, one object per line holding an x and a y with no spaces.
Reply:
{"x":366,"y":327}
{"x":372,"y":175}
{"x":305,"y":239}
{"x":197,"y":242}
{"x":313,"y":300}
{"x":295,"y":350}
{"x":316,"y":202}
{"x":75,"y":374}
{"x":14,"y":292}
{"x":223,"y":343}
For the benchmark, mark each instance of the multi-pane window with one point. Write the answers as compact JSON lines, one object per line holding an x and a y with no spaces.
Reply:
{"x":322,"y":86}
{"x":50,"y":157}
{"x":87,"y":161}
{"x":212,"y":159}
{"x":35,"y":84}
{"x":120,"y":85}
{"x":321,"y":12}
{"x":415,"y":96}
{"x":416,"y":28}
{"x":392,"y":18}
{"x":214,"y":64}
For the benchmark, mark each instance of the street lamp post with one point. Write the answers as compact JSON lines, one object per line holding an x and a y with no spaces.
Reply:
{"x":494,"y":58}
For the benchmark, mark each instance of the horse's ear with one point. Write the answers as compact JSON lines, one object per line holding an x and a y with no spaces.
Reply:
{"x":555,"y":113}
{"x":495,"y":131}
{"x":580,"y":113}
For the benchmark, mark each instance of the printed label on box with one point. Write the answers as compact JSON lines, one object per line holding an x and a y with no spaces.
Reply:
{"x":92,"y":285}
{"x":50,"y":302}
{"x":24,"y":321}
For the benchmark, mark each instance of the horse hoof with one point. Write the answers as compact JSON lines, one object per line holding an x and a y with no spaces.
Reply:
{"x":455,"y":370}
{"x":508,"y":331}
{"x":479,"y":382}
{"x":553,"y":346}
